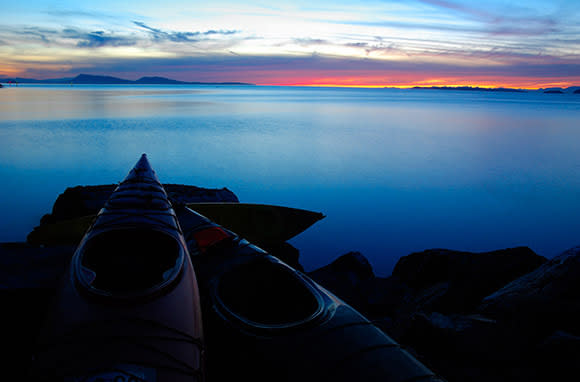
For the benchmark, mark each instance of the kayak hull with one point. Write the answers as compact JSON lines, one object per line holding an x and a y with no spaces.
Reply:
{"x":267,"y":321}
{"x":129,"y":304}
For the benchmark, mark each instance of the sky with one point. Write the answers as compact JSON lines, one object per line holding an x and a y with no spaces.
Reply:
{"x":369,"y":43}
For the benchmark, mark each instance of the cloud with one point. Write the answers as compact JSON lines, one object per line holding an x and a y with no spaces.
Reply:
{"x":97,"y":39}
{"x":179,"y":37}
{"x":56,"y":37}
{"x":310,"y":41}
{"x":40,"y":34}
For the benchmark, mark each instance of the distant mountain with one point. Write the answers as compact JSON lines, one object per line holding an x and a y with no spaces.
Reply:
{"x":20,"y":80}
{"x":88,"y":79}
{"x":159,"y":81}
{"x":97,"y":80}
{"x":569,"y":90}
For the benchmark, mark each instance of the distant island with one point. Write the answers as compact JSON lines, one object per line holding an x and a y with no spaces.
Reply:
{"x":88,"y":79}
{"x":569,"y":90}
{"x":470,"y":88}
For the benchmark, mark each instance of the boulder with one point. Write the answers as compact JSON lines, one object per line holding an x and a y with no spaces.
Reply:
{"x":88,"y":200}
{"x":29,"y":276}
{"x":545,"y":299}
{"x":468,"y":347}
{"x":454,"y":282}
{"x":27,"y":267}
{"x":347,"y":277}
{"x":558,"y":357}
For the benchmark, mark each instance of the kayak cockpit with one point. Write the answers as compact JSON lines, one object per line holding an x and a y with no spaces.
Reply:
{"x":267,"y":295}
{"x":128,"y":262}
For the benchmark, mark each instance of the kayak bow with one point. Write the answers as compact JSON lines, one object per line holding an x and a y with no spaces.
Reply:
{"x":129,"y":304}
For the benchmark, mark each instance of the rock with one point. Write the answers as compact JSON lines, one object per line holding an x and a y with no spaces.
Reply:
{"x":346,"y":277}
{"x":556,"y":358}
{"x":384,"y":297}
{"x":88,"y":200}
{"x":24,"y":266}
{"x":468,"y":347}
{"x":453,"y":282}
{"x":28,"y":279}
{"x":545,"y":299}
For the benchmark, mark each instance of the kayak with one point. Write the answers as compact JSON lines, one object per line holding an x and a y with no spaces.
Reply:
{"x":265,"y":321}
{"x":262,"y":224}
{"x":129,"y":307}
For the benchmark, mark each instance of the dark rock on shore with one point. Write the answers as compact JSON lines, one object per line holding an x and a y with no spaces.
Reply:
{"x":439,"y":280}
{"x":506,"y":315}
{"x":454,"y":282}
{"x":88,"y":200}
{"x":25,"y":266}
{"x":546,"y":299}
{"x":29,"y":277}
{"x":347,"y":277}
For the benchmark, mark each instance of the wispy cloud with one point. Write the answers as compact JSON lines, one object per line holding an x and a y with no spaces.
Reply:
{"x":177,"y":36}
{"x":64,"y":37}
{"x":97,"y":39}
{"x":43,"y":35}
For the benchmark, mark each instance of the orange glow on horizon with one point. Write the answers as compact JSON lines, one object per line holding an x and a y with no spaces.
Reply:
{"x":513,"y":83}
{"x":321,"y":78}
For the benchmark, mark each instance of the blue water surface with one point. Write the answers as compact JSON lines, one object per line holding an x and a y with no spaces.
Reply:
{"x":394,"y":171}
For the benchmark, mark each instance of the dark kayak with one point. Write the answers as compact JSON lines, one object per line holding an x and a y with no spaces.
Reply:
{"x":265,"y":321}
{"x":128,"y":308}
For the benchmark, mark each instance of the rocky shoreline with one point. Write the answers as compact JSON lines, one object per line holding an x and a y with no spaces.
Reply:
{"x":506,"y":315}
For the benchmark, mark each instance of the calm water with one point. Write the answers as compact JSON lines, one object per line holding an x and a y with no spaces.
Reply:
{"x":395,"y":171}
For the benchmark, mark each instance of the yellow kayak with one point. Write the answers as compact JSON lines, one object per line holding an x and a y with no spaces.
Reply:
{"x":260,"y":223}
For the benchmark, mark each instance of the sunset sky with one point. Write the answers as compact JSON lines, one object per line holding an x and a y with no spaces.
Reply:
{"x":526,"y":44}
